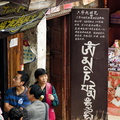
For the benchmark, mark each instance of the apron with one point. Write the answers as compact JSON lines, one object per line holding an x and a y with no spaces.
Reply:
{"x":51,"y":110}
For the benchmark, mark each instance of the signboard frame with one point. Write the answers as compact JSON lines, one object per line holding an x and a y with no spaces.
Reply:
{"x":89,"y":63}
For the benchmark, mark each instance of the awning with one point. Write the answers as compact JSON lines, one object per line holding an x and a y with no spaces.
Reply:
{"x":17,"y":15}
{"x":20,"y":2}
{"x":13,"y":24}
{"x":58,"y":14}
{"x":28,"y":2}
{"x":15,"y":18}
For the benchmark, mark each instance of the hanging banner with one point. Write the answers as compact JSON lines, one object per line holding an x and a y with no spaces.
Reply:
{"x":11,"y":9}
{"x":89,"y":63}
{"x":21,"y":2}
{"x":28,"y":55}
{"x":14,"y":24}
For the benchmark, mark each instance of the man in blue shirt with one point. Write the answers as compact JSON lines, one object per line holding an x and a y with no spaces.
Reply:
{"x":16,"y":96}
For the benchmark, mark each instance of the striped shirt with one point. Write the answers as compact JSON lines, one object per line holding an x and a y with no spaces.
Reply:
{"x":16,"y":100}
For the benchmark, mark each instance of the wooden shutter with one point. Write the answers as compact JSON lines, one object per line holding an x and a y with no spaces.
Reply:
{"x":15,"y":55}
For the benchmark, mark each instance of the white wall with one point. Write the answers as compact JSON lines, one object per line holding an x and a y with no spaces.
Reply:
{"x":41,"y":44}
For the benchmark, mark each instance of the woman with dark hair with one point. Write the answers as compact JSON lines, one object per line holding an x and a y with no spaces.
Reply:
{"x":49,"y":94}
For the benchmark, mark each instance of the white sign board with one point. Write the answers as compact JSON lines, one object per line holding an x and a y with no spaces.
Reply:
{"x":13,"y":42}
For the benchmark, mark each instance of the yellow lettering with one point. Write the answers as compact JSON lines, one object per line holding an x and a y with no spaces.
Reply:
{"x":3,"y":24}
{"x":33,"y":24}
{"x":5,"y":9}
{"x":15,"y":24}
{"x":21,"y":8}
{"x":11,"y":23}
{"x":41,"y":14}
{"x":8,"y":9}
{"x":26,"y":19}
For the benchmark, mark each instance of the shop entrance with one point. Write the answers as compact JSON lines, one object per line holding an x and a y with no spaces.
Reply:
{"x":57,"y":44}
{"x":10,"y":62}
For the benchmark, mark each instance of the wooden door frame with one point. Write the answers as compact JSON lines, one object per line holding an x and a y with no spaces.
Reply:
{"x":68,"y":94}
{"x":3,"y":70}
{"x":66,"y":82}
{"x":66,"y":68}
{"x":14,"y":53}
{"x":64,"y":97}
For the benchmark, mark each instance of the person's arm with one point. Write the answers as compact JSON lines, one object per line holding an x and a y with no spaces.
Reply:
{"x":55,"y":102}
{"x":7,"y":107}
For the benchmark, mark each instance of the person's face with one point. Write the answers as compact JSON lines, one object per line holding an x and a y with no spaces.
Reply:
{"x":29,"y":95}
{"x":42,"y":79}
{"x":17,"y":81}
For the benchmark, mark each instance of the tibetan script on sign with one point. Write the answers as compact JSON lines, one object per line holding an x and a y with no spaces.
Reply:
{"x":89,"y":52}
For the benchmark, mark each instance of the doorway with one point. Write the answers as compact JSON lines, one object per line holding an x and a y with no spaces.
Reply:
{"x":3,"y":71}
{"x":58,"y":49}
{"x":10,"y":62}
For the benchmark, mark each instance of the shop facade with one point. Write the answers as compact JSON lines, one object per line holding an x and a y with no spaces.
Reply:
{"x":55,"y":57}
{"x":63,"y":60}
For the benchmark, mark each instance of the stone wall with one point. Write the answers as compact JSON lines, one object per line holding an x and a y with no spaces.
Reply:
{"x":31,"y":36}
{"x":37,"y":41}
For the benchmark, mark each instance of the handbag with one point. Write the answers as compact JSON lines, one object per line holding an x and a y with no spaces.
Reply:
{"x":46,"y":112}
{"x":51,"y":110}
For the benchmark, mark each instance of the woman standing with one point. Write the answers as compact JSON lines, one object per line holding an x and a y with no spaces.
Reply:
{"x":49,"y":94}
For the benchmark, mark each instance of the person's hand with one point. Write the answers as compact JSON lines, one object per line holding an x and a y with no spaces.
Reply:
{"x":51,"y":97}
{"x":21,"y":108}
